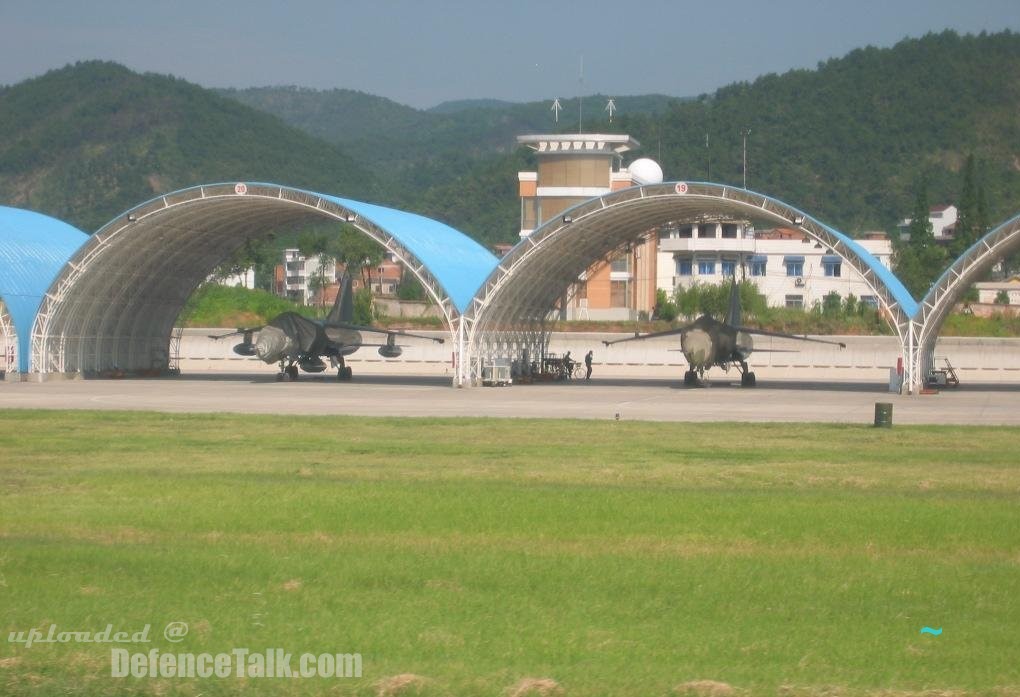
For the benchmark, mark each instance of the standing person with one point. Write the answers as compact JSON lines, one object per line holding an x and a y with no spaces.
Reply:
{"x":587,"y":364}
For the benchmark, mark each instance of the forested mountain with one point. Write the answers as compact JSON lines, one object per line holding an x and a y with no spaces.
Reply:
{"x":89,"y":141}
{"x":395,"y":139}
{"x":848,"y":142}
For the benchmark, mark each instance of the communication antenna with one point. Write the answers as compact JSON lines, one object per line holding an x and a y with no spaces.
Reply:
{"x":557,"y":108}
{"x":580,"y":98}
{"x":611,"y":107}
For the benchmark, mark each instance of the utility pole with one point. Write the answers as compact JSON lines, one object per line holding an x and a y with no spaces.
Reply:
{"x":709,"y":153}
{"x":746,"y":132}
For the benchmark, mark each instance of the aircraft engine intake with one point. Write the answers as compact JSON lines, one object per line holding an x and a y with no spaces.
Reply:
{"x":745,"y":345}
{"x":273,"y":344}
{"x":698,"y":348}
{"x":245,"y":348}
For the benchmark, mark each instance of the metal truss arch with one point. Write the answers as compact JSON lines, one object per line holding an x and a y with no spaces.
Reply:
{"x":115,"y":303}
{"x":951,"y":286}
{"x":511,"y":309}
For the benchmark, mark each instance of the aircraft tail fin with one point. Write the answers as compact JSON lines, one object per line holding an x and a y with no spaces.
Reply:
{"x":343,"y":308}
{"x":733,"y":315}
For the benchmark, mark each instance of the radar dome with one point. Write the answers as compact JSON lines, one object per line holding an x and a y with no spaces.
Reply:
{"x":645,"y":171}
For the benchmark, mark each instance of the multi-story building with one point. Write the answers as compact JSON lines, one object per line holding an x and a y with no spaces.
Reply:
{"x":943,"y":223}
{"x":295,"y":278}
{"x":789,"y":268}
{"x":572,"y":168}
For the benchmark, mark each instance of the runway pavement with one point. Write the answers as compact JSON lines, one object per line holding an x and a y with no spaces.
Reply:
{"x":602,"y":398}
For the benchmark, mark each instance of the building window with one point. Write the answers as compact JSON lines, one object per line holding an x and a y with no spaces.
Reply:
{"x":832,"y":266}
{"x":620,"y":264}
{"x":729,"y":268}
{"x":706,"y":267}
{"x":758,"y":267}
{"x":729,"y":231}
{"x":684,"y":267}
{"x":686,"y":232}
{"x":795,"y":301}
{"x":795,"y":265}
{"x":618,"y":294}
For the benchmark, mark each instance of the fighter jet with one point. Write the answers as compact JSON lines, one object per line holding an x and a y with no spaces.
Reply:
{"x":294,"y":341}
{"x":706,"y":342}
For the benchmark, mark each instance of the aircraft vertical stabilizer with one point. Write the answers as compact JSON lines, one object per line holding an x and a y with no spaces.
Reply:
{"x":733,"y":315}
{"x":343,"y":308}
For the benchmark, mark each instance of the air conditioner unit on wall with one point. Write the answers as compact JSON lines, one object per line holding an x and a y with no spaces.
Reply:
{"x":799,"y":283}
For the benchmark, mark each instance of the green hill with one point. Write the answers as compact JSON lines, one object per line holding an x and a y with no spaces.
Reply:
{"x":397,"y":140}
{"x":90,"y":140}
{"x":849,"y":141}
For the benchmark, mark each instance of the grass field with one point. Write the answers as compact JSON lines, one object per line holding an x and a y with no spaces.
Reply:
{"x":487,"y":557}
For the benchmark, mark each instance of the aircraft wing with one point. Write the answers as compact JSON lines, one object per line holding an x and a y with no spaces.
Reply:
{"x":653,"y":335}
{"x":380,"y":330}
{"x":240,"y":330}
{"x":781,"y":335}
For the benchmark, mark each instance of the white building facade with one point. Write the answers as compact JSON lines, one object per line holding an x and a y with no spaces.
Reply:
{"x":299,"y":272}
{"x":790,"y":270}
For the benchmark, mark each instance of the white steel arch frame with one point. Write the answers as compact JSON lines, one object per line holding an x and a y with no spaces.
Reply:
{"x":9,"y":345}
{"x":951,"y":286}
{"x":509,"y":313}
{"x":116,"y":301}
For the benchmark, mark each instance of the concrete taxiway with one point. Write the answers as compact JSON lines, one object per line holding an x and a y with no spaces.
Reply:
{"x":627,"y":398}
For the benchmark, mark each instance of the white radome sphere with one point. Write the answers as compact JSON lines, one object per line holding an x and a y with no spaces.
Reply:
{"x":645,"y":171}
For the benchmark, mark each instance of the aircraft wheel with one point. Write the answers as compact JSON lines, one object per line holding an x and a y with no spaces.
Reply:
{"x":292,"y":372}
{"x":747,"y":380}
{"x":348,"y":373}
{"x":690,"y":378}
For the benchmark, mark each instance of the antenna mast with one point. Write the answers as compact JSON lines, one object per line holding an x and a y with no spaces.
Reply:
{"x":580,"y":98}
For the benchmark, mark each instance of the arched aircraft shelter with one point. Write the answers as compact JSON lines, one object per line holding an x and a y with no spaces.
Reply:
{"x":508,"y":317}
{"x":116,"y":301}
{"x":33,"y":250}
{"x":951,"y":286}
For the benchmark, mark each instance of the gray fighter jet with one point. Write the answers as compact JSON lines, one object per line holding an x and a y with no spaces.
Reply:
{"x":294,"y":341}
{"x":706,"y":342}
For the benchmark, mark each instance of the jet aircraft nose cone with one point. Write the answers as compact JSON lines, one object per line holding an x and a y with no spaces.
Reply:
{"x":272,"y":345}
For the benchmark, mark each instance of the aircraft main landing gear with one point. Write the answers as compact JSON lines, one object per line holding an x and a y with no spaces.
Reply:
{"x":343,"y":371}
{"x":747,"y":378}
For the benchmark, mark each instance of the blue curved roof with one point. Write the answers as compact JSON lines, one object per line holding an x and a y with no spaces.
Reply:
{"x":33,"y":249}
{"x":460,"y":264}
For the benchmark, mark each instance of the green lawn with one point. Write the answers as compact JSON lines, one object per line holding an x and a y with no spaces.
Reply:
{"x":618,"y":558}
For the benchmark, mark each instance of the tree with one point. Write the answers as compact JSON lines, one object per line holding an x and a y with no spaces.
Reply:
{"x":919,"y":261}
{"x":967,"y":219}
{"x":665,"y":309}
{"x":318,"y":243}
{"x":410,"y":287}
{"x":358,"y":252}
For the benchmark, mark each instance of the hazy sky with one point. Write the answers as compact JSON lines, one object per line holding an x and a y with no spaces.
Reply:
{"x":423,"y":53}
